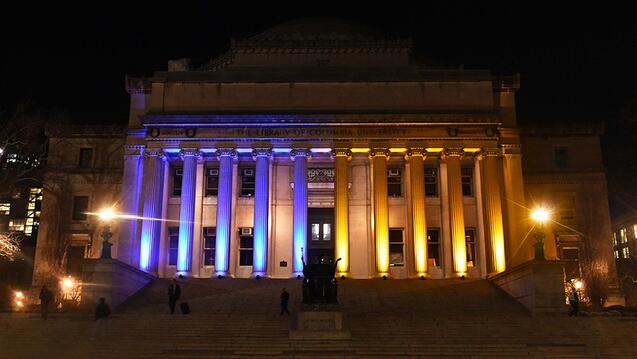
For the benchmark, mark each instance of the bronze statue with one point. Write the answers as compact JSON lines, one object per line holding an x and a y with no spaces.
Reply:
{"x":319,"y":284}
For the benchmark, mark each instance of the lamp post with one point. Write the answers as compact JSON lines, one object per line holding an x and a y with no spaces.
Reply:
{"x":106,"y":215}
{"x":540,"y":215}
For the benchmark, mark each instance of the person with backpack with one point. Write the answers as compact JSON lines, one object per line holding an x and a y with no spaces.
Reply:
{"x":102,"y":312}
{"x":174,"y":292}
{"x":46,"y":297}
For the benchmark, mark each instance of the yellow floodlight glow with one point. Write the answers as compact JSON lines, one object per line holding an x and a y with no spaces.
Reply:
{"x":471,"y":149}
{"x":359,"y":150}
{"x":398,"y":150}
{"x":540,"y":215}
{"x":434,"y":149}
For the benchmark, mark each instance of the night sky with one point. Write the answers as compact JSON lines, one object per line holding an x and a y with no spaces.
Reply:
{"x":576,"y":64}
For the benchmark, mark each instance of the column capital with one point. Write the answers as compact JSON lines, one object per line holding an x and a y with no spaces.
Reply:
{"x":511,"y":149}
{"x":262,"y":152}
{"x":416,"y":151}
{"x":490,"y":152}
{"x":226,"y":151}
{"x":342,"y":151}
{"x":453,"y":152}
{"x":154,"y":152}
{"x":379,"y":152}
{"x":303,"y":152}
{"x":134,"y":150}
{"x":188,"y":152}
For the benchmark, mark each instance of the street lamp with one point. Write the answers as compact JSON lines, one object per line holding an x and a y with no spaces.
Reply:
{"x":106,"y":215}
{"x":540,"y":215}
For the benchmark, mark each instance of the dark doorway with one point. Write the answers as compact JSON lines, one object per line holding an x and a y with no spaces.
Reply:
{"x":320,"y":234}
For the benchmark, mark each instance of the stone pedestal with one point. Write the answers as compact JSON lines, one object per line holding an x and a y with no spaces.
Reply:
{"x":109,"y":278}
{"x":312,"y":325}
{"x":536,"y":284}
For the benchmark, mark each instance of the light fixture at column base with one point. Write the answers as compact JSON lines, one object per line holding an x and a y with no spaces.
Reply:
{"x":219,"y":276}
{"x":384,"y":277}
{"x":422,"y":277}
{"x":298,"y":276}
{"x":257,"y":277}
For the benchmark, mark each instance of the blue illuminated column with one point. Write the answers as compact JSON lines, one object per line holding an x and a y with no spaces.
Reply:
{"x":128,"y":245}
{"x":261,"y":196}
{"x":300,"y":208}
{"x":153,"y":196}
{"x":187,"y":210}
{"x":224,"y":210}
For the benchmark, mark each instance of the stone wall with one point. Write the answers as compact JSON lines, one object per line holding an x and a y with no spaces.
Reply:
{"x":538,"y":285}
{"x":109,"y":278}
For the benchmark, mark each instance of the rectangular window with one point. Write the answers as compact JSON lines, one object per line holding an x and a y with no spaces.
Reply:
{"x":470,"y":241}
{"x":246,"y":247}
{"x":433,"y":247}
{"x":178,"y":174}
{"x":86,"y":158}
{"x":396,"y":256}
{"x":17,"y":225}
{"x":80,"y":207}
{"x":614,"y":239}
{"x":316,"y":231}
{"x":5,"y":209}
{"x":394,"y":182}
{"x":635,"y":231}
{"x":212,"y":182}
{"x":173,"y":245}
{"x":327,"y":231}
{"x":625,"y":253}
{"x":560,"y":155}
{"x":209,"y":243}
{"x":431,"y":181}
{"x":247,"y":182}
{"x":466,"y":174}
{"x":616,"y":254}
{"x":622,"y":235}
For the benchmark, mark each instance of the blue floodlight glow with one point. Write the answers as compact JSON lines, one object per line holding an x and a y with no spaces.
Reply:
{"x":281,"y":150}
{"x":261,"y":194}
{"x":144,"y":252}
{"x":244,"y":150}
{"x":187,"y":213}
{"x":224,"y":208}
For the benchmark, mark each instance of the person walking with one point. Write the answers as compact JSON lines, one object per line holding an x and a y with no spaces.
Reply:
{"x":285,"y":298}
{"x":102,"y":312}
{"x":46,"y":296}
{"x":573,"y":300}
{"x":174,"y":292}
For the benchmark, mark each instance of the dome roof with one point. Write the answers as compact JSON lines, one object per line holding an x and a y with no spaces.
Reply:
{"x":318,"y":28}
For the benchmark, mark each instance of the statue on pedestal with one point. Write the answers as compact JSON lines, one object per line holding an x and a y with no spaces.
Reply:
{"x":319,"y":284}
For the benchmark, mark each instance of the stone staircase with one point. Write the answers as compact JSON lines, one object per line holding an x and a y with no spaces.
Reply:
{"x":388,"y":319}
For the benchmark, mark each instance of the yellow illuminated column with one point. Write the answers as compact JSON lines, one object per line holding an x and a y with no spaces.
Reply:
{"x":456,"y":210}
{"x":381,"y":218}
{"x":416,"y":157}
{"x":493,"y":209}
{"x":519,"y":248}
{"x":341,"y":208}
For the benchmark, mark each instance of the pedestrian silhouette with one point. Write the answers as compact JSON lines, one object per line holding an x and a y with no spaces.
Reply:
{"x":174,"y":292}
{"x":102,"y":312}
{"x":573,"y":300}
{"x":46,"y":296}
{"x":285,"y":298}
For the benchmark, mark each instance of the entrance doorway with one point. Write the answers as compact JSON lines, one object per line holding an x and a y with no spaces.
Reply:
{"x":320,"y":241}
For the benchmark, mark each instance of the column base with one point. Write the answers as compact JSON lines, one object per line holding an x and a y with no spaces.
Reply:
{"x":221,"y":274}
{"x":342,"y":274}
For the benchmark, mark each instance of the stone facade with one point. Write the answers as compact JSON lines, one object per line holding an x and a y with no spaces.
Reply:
{"x":327,"y":140}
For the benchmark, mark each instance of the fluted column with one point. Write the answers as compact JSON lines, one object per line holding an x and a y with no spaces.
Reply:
{"x":493,"y":209}
{"x":341,"y":208}
{"x":152,"y":212}
{"x":456,"y":210}
{"x":187,"y":210}
{"x":224,"y":211}
{"x":416,"y":158}
{"x":300,"y":207}
{"x":381,"y":216}
{"x":519,"y":246}
{"x":128,"y":246}
{"x":261,"y":206}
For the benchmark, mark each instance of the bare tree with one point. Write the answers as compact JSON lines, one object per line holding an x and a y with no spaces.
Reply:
{"x":9,"y":245}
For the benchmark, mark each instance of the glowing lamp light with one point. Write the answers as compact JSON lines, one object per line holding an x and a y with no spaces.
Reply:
{"x":106,"y":214}
{"x":540,"y":215}
{"x":19,"y":303}
{"x":68,"y":283}
{"x":19,"y":294}
{"x":578,"y":284}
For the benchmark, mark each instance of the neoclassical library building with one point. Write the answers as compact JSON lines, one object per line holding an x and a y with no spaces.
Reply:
{"x":320,"y":139}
